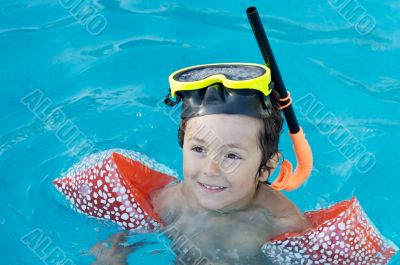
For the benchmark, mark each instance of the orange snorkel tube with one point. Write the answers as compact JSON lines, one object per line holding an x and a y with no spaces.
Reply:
{"x":286,"y":180}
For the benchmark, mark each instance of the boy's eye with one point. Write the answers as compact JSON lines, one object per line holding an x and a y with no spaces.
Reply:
{"x":233,"y":156}
{"x":198,"y":149}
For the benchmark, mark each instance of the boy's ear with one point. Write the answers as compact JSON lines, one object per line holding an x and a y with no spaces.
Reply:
{"x":272,"y":164}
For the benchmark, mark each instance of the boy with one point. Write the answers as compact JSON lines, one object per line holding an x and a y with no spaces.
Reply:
{"x":224,"y":206}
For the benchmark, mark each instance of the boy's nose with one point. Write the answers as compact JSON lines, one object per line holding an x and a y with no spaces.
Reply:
{"x":211,"y":167}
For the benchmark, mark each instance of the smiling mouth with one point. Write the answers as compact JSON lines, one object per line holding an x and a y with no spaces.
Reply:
{"x":211,"y":188}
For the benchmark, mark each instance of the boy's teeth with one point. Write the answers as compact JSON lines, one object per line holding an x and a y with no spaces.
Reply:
{"x":213,"y":187}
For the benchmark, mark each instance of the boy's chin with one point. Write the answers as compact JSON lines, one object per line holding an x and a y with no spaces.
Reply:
{"x":211,"y":206}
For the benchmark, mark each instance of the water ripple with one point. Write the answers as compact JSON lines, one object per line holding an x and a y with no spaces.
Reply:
{"x":388,"y":89}
{"x":291,"y":31}
{"x":18,"y":135}
{"x":119,"y":46}
{"x":52,"y":25}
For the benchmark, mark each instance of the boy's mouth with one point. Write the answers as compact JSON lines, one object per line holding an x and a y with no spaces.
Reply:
{"x":211,"y":188}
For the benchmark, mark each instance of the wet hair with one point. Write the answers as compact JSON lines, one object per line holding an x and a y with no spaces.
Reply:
{"x":268,"y":137}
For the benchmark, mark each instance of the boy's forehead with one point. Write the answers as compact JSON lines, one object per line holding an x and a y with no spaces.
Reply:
{"x":224,"y":120}
{"x":232,"y":128}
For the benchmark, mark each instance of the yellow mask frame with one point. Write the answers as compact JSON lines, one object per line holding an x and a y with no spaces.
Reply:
{"x":229,"y":74}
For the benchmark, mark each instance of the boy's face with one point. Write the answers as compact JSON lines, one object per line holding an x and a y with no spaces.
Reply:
{"x":221,"y":158}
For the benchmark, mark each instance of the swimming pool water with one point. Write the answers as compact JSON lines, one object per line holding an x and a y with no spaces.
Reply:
{"x":107,"y":83}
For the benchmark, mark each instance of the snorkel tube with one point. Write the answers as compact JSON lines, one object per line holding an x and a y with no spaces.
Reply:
{"x":286,"y":180}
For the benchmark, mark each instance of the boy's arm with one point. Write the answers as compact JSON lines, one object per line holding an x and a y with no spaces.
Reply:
{"x":114,"y":250}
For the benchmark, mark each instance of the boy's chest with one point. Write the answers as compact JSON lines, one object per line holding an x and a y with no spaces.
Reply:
{"x":239,"y":234}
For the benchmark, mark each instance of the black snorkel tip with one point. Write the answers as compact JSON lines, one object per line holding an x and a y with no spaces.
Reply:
{"x":251,"y":10}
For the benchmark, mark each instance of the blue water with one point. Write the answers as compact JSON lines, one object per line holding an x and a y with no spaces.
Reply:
{"x":110,"y":85}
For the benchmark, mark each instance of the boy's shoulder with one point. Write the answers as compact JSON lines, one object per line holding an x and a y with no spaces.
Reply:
{"x":165,"y":200}
{"x":286,"y":214}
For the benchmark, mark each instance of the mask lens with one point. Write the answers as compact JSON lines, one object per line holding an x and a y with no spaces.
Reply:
{"x":232,"y":72}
